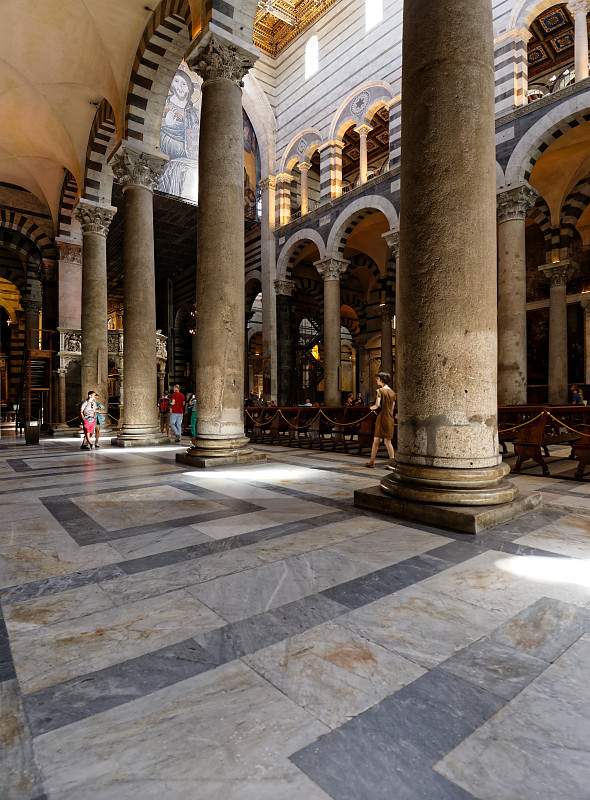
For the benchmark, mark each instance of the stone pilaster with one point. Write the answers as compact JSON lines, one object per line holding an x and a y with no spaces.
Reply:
{"x":511,"y":57}
{"x":95,"y":221}
{"x":558,"y":275}
{"x":283,"y":182}
{"x":447,"y":461}
{"x":330,"y":269}
{"x":69,"y":283}
{"x":512,"y":209}
{"x":220,"y":346}
{"x":138,"y":173}
{"x":330,"y":170}
{"x":579,"y":11}
{"x":284,"y":290}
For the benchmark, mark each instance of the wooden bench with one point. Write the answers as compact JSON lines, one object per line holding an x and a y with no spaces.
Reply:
{"x":532,"y":440}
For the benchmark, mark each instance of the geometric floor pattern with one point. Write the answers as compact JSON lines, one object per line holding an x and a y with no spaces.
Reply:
{"x":247,"y":634}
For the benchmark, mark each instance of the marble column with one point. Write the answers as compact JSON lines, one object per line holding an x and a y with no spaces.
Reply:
{"x":284,"y":180}
{"x":330,"y":270}
{"x":579,"y":11}
{"x":304,"y":168}
{"x":387,"y":312}
{"x":220,"y":291}
{"x":161,"y":376}
{"x":363,"y":131}
{"x":512,"y":341}
{"x":138,"y":174}
{"x":61,"y":398}
{"x":585,"y":302}
{"x":284,"y":290}
{"x":558,"y":275}
{"x":269,"y":272}
{"x":446,"y":334}
{"x":94,"y":364}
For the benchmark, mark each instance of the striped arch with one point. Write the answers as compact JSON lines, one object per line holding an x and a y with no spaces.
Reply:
{"x":541,"y":216}
{"x":312,"y":290}
{"x":293,"y":248}
{"x":67,"y":201}
{"x":574,"y":206}
{"x":21,"y":234}
{"x":355,"y":213}
{"x":98,"y":177}
{"x":161,"y":49}
{"x":361,"y":260}
{"x":555,"y":123}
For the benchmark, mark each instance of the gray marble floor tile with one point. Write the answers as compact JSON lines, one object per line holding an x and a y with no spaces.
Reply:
{"x":56,"y":653}
{"x":246,"y":731}
{"x":154,"y":542}
{"x":332,"y":672}
{"x":19,"y":777}
{"x":499,"y":668}
{"x":421,"y":624}
{"x":30,"y":615}
{"x":537,"y":747}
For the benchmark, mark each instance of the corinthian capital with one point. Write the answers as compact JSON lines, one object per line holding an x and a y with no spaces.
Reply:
{"x":392,"y":241}
{"x":284,"y":287}
{"x":578,"y":7}
{"x":331,"y":269}
{"x":94,"y":218}
{"x":133,"y":168}
{"x":69,"y":251}
{"x":217,"y":59}
{"x":559,"y":273}
{"x":515,"y":203}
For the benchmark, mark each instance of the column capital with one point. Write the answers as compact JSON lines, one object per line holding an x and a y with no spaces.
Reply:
{"x":268,"y":183}
{"x":392,"y":240}
{"x":515,"y":203}
{"x":215,"y":58}
{"x":363,"y":129}
{"x":93,"y":217}
{"x":284,"y":177}
{"x":69,"y":250}
{"x":559,"y":273}
{"x":585,"y":303}
{"x":578,"y":6}
{"x":284,"y":287}
{"x":330,"y":269}
{"x":135,"y":168}
{"x":304,"y":166}
{"x":332,"y":143}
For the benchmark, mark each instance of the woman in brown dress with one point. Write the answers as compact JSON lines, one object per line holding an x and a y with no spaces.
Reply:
{"x":385,"y":405}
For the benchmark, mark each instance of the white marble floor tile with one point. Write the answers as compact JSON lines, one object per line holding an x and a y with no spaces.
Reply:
{"x":569,"y":536}
{"x":30,"y":615}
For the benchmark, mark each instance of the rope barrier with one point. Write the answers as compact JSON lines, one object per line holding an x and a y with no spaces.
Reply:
{"x":565,"y":425}
{"x":545,"y":413}
{"x":265,"y":423}
{"x":522,"y":424}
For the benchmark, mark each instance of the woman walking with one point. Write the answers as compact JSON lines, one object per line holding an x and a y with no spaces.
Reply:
{"x":385,"y":406}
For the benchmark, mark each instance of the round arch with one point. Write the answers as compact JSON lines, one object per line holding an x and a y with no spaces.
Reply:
{"x":293,"y":247}
{"x":526,"y":11}
{"x":558,"y":120}
{"x":358,"y":210}
{"x":300,"y":148}
{"x":359,"y":106}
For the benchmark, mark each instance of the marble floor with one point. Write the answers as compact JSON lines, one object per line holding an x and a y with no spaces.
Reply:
{"x":247,"y":634}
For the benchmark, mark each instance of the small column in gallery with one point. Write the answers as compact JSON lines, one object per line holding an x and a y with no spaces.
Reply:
{"x":304,"y":168}
{"x":284,"y":290}
{"x":558,"y":274}
{"x":363,"y":131}
{"x":579,"y":10}
{"x":331,"y":269}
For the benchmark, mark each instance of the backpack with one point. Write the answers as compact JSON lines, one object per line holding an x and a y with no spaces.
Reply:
{"x":164,"y":405}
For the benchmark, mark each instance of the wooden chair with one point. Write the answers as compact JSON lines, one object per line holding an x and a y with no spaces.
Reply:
{"x":528,"y":444}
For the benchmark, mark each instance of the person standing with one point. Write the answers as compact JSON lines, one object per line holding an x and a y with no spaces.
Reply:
{"x":164,"y":411}
{"x":191,"y":407}
{"x":88,"y":411}
{"x":101,"y":412}
{"x":177,"y":401}
{"x":384,"y":405}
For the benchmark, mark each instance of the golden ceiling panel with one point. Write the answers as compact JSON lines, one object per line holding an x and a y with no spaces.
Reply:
{"x":278,"y":22}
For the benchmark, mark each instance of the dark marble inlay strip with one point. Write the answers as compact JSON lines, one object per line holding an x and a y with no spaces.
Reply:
{"x":7,"y":671}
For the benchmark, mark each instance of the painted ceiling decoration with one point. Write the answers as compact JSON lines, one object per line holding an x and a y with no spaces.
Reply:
{"x":552,"y":43}
{"x":278,"y":22}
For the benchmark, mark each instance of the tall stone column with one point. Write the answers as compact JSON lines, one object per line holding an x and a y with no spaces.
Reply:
{"x":220,"y":257}
{"x":284,"y":180}
{"x":94,"y":364}
{"x":387,"y":312}
{"x":512,"y":341}
{"x":558,"y":275}
{"x":269,"y":272}
{"x":304,"y":168}
{"x":138,"y":174}
{"x":391,"y":289}
{"x":363,"y":131}
{"x":447,"y":462}
{"x":61,"y":398}
{"x":579,"y":10}
{"x":284,"y":290}
{"x":330,"y":270}
{"x":586,"y":307}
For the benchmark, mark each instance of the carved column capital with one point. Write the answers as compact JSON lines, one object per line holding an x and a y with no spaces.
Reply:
{"x":515,"y":203}
{"x":304,"y":166}
{"x":268,"y":184}
{"x":578,"y":7}
{"x":559,"y":273}
{"x":331,"y":269}
{"x":363,"y":129}
{"x":94,"y":218}
{"x":284,"y":287}
{"x":217,"y":59}
{"x":69,"y":251}
{"x":133,"y":168}
{"x":392,"y":240}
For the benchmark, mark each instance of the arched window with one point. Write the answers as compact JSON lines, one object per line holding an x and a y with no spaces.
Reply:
{"x":373,"y":13}
{"x":312,"y":57}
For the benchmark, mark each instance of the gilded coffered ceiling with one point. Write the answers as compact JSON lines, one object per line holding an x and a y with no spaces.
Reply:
{"x":278,"y":22}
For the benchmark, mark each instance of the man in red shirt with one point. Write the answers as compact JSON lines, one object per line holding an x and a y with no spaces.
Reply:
{"x":177,"y":400}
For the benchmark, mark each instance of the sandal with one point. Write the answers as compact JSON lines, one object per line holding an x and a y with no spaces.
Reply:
{"x":370,"y":465}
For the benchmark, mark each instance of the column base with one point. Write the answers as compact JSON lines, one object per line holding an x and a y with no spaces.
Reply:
{"x":135,"y":436}
{"x":461,"y":518}
{"x":206,"y":453}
